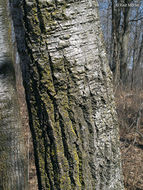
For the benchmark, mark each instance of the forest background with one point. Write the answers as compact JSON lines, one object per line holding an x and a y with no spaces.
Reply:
{"x":122,"y":25}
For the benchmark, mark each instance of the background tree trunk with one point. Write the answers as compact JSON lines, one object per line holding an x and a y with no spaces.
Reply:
{"x":69,"y":94}
{"x":120,"y":39}
{"x":115,"y":62}
{"x":124,"y":43}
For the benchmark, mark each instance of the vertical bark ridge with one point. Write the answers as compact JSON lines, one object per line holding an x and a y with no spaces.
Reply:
{"x":74,"y":124}
{"x":40,"y":18}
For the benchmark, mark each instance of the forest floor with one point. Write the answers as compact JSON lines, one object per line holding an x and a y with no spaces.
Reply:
{"x":130,"y":113}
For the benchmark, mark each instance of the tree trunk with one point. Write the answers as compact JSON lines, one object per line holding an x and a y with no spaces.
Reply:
{"x":69,"y":95}
{"x":115,"y":63}
{"x":120,"y":40}
{"x":124,"y":43}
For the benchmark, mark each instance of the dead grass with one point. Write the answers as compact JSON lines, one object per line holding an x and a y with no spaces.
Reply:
{"x":130,"y":112}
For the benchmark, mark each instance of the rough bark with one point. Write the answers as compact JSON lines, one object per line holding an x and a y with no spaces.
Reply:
{"x":69,"y":95}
